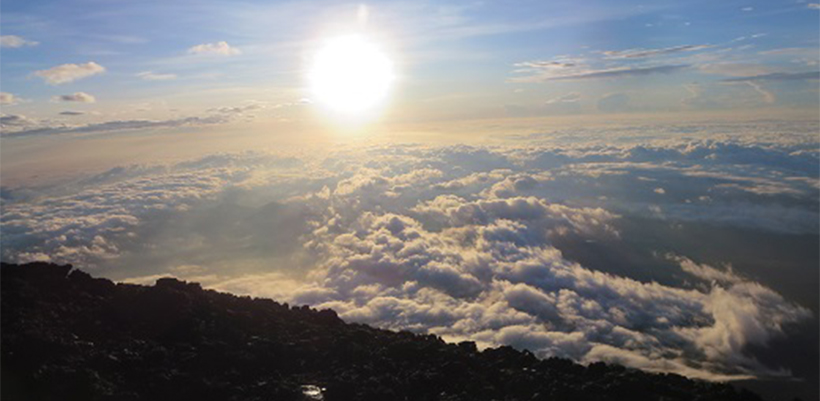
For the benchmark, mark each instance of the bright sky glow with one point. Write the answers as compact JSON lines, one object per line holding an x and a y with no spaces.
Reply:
{"x":350,"y":75}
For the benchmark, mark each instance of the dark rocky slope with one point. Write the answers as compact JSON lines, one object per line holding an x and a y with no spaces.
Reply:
{"x":68,"y":336}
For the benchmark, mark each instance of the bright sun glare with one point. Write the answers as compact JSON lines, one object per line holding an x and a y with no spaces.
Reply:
{"x":350,"y":75}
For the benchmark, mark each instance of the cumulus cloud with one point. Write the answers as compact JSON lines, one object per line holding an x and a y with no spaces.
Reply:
{"x":219,"y":48}
{"x":455,"y":211}
{"x":471,"y":243}
{"x":66,"y":73}
{"x":80,"y":97}
{"x":13,"y":41}
{"x":488,"y":274}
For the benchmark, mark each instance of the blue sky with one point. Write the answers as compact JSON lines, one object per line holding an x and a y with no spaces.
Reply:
{"x":455,"y":61}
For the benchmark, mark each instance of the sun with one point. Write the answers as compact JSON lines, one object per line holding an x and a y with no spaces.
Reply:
{"x":350,"y":75}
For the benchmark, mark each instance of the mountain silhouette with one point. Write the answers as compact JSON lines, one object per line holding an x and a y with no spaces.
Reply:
{"x":69,"y":336}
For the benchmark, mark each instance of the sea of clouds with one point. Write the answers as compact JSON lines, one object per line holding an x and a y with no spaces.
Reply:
{"x":480,"y":243}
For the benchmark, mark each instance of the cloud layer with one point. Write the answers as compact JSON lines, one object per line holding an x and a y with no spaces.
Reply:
{"x":468,"y":242}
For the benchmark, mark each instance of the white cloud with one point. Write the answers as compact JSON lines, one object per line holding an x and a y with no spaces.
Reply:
{"x":458,"y":212}
{"x":469,"y":243}
{"x":219,"y":48}
{"x":489,"y":276}
{"x":80,"y":97}
{"x":705,"y":272}
{"x":15,"y":120}
{"x":66,"y":73}
{"x":13,"y":41}
{"x":151,"y":76}
{"x":8,"y":98}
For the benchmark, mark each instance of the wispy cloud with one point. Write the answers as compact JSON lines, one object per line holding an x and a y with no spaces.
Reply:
{"x":646,"y":53}
{"x":556,"y":64}
{"x":151,"y":76}
{"x":791,"y":51}
{"x":569,"y":74}
{"x":80,"y":97}
{"x":779,"y":76}
{"x":735,"y":69}
{"x":13,"y":41}
{"x":571,"y":97}
{"x":624,"y":72}
{"x":66,"y":73}
{"x":118,"y":125}
{"x":15,"y":120}
{"x":20,"y":126}
{"x":768,"y":97}
{"x":219,"y":48}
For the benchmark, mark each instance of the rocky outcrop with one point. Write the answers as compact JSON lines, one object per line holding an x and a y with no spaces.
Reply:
{"x":68,"y":336}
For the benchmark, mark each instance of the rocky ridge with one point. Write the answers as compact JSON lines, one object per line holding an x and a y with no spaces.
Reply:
{"x":69,"y":336}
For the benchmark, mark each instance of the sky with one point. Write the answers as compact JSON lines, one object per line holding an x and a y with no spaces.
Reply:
{"x":636,"y":183}
{"x":168,"y":61}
